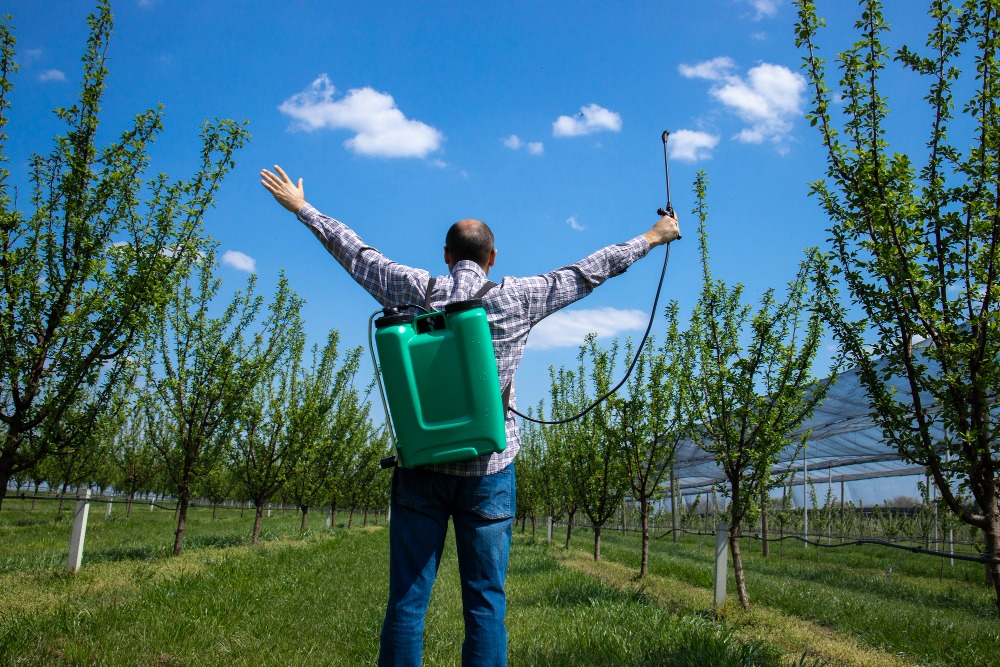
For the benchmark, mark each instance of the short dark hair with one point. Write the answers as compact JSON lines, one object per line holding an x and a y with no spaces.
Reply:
{"x":470,"y":239}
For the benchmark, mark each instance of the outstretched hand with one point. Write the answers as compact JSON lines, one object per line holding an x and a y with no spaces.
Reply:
{"x":288,"y":194}
{"x":665,"y":230}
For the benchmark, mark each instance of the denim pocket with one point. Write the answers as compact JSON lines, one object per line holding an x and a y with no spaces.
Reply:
{"x":412,"y":488}
{"x":494,"y":496}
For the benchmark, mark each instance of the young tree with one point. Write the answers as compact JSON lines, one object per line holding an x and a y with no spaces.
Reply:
{"x":596,"y":468}
{"x":649,"y":422}
{"x":323,"y":391}
{"x":84,"y":272}
{"x":202,"y":368}
{"x":752,"y":386}
{"x":266,"y":446}
{"x":133,"y":453}
{"x":916,"y":243}
{"x":80,"y":440}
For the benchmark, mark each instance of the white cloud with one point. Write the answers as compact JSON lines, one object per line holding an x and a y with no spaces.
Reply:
{"x":716,"y":69}
{"x":765,"y":8}
{"x":514,"y":143}
{"x":691,"y":145}
{"x":768,"y":99}
{"x":568,"y":328}
{"x":381,"y":129}
{"x":574,"y":224}
{"x":240,"y":261}
{"x":52,"y":75}
{"x":592,"y":118}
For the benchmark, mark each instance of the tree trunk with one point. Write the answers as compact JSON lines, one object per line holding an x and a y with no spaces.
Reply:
{"x":734,"y":548}
{"x":257,"y":519}
{"x":182,"y":511}
{"x":215,"y":509}
{"x":128,"y":505}
{"x":62,"y":501}
{"x":364,"y":519}
{"x":644,"y":520}
{"x":350,"y":518}
{"x":597,"y":543}
{"x":765,"y":548}
{"x":532,"y":526}
{"x":569,"y":526}
{"x":9,"y":449}
{"x":992,"y":538}
{"x":305,"y":513}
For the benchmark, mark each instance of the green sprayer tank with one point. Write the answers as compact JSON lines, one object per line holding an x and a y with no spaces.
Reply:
{"x":441,"y":383}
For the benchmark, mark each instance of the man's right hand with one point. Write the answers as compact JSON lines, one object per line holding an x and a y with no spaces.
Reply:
{"x":288,"y":194}
{"x":665,"y":230}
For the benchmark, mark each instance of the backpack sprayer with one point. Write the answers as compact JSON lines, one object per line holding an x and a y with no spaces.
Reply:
{"x":441,"y":384}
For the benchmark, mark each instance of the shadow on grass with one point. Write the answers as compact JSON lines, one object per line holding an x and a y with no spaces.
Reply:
{"x":150,"y":552}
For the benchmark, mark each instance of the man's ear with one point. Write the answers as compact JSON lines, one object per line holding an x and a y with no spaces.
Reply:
{"x":447,"y":257}
{"x":493,"y":257}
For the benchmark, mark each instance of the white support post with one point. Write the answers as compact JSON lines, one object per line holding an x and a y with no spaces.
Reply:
{"x":107,"y":511}
{"x":79,"y":531}
{"x":721,"y":563}
{"x":549,"y":522}
{"x":329,"y":518}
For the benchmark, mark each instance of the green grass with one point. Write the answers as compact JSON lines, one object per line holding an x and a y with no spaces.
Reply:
{"x":313,"y":599}
{"x":924,"y":609}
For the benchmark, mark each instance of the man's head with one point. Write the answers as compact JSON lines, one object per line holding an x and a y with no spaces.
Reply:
{"x":470,"y":239}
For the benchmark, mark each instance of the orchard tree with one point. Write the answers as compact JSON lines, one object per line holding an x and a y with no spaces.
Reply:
{"x":133,"y":453}
{"x":752,"y":384}
{"x":202,"y":368}
{"x":649,"y":421}
{"x":87,"y":264}
{"x":325,"y":394}
{"x":916,"y":242}
{"x":549,"y":477}
{"x":595,"y":467}
{"x":265,"y":447}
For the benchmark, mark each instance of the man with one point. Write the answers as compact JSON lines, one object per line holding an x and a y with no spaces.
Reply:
{"x":478,"y":495}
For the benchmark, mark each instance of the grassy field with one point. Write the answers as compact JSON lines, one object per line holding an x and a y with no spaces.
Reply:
{"x":317,"y":599}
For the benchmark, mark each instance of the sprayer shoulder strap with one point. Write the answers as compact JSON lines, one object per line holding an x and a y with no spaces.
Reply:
{"x":487,"y":286}
{"x":427,"y":296}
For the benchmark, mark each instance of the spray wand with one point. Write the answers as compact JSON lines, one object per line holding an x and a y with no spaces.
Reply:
{"x":668,"y":210}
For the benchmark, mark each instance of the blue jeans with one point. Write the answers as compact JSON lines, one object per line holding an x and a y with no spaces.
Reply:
{"x":482,"y":509}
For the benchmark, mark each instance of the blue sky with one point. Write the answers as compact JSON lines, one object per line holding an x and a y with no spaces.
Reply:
{"x":541,"y":118}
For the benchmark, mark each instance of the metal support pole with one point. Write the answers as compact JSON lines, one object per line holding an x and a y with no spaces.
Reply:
{"x":79,"y":532}
{"x":805,"y":496}
{"x":675,"y":496}
{"x":721,"y":563}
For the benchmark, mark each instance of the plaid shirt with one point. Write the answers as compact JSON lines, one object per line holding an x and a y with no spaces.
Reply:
{"x":512,"y":307}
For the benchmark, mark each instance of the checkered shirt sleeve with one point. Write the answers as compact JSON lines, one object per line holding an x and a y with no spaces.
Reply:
{"x":512,"y":308}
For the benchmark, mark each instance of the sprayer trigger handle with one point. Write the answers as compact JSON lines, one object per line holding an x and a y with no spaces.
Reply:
{"x":669,"y":210}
